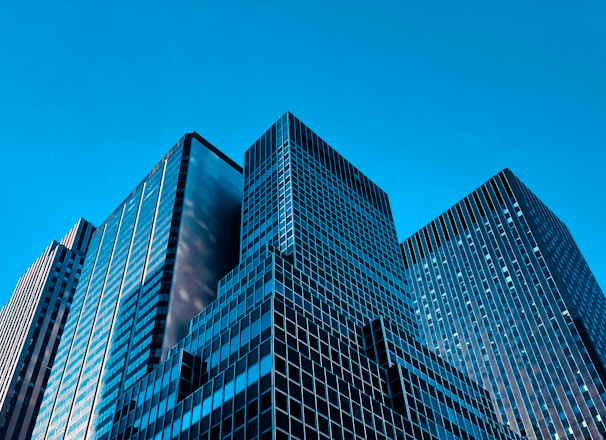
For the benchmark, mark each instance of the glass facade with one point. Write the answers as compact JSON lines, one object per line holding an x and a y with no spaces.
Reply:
{"x":138,"y":287}
{"x":313,"y":334}
{"x":503,"y":293}
{"x":31,"y":326}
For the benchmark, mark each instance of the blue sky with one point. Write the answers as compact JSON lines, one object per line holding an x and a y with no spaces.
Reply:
{"x":429,"y":99}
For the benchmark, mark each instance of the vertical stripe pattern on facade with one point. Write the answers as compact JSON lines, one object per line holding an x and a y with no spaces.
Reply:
{"x":122,"y":309}
{"x":114,"y":281}
{"x":490,"y":299}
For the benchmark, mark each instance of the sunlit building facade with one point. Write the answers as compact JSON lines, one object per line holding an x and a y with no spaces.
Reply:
{"x":503,"y":293}
{"x":31,"y":326}
{"x":313,"y":334}
{"x":151,"y":267}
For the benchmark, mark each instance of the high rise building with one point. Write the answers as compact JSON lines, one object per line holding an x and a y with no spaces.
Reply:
{"x":151,"y":266}
{"x":31,"y":325}
{"x":312,"y":334}
{"x":503,"y":293}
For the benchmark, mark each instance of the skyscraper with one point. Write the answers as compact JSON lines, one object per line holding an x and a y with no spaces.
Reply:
{"x":312,"y":334}
{"x":151,"y":266}
{"x":503,"y":293}
{"x":31,"y":325}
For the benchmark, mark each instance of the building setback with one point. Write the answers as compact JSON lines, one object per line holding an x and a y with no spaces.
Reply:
{"x":31,"y":325}
{"x":503,"y":293}
{"x":151,"y":266}
{"x":312,"y":334}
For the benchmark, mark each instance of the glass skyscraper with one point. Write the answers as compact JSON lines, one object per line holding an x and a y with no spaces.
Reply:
{"x":151,"y":267}
{"x":503,"y":293}
{"x":31,"y":325}
{"x":313,"y":333}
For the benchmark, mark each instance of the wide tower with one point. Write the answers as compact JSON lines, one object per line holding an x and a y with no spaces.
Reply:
{"x":503,"y":293}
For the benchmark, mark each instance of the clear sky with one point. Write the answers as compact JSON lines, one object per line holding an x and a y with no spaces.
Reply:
{"x":428,"y":98}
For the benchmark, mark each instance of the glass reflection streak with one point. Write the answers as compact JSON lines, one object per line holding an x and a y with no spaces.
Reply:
{"x":209,"y":239}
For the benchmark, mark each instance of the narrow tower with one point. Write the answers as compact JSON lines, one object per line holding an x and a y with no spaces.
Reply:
{"x":31,"y":326}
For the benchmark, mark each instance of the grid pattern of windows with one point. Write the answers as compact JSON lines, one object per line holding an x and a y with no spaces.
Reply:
{"x":126,"y":307}
{"x":31,"y":325}
{"x":207,"y":394}
{"x":503,"y":293}
{"x":312,"y":334}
